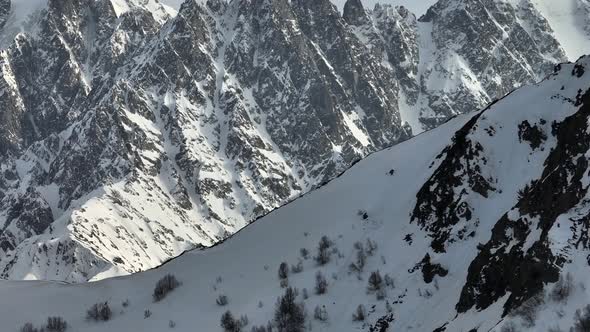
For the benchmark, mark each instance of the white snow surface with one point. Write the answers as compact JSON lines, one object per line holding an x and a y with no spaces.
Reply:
{"x":20,"y":18}
{"x":245,"y":266}
{"x":570,"y":23}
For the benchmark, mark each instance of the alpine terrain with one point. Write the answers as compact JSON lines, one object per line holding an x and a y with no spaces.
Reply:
{"x":132,"y":131}
{"x":486,"y":229}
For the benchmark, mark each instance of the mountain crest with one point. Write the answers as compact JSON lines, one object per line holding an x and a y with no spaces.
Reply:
{"x":354,"y":12}
{"x":177,"y":131}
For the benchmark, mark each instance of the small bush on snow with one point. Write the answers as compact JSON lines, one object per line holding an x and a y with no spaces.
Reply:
{"x":361,"y":258}
{"x":375,"y":282}
{"x":304,"y":253}
{"x":283,"y":271}
{"x":56,"y":324}
{"x":99,"y":312}
{"x":371,"y":247}
{"x":28,"y":327}
{"x":298,"y":268}
{"x":323,"y":256}
{"x":164,"y":286}
{"x":229,"y":323}
{"x":289,"y":315}
{"x":389,"y":282}
{"x":321,"y":284}
{"x":359,"y":314}
{"x":267,"y":328}
{"x":320,"y":313}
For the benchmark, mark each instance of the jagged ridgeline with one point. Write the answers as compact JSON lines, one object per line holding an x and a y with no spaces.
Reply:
{"x":130,"y":132}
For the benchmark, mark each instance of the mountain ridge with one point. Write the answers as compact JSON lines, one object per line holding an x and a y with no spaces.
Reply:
{"x":166,"y":136}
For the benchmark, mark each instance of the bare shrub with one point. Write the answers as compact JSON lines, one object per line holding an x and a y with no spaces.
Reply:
{"x":56,"y":324}
{"x":304,"y":253}
{"x":375,"y":281}
{"x":321,"y":284}
{"x":164,"y":286}
{"x":361,"y":258}
{"x":244,"y":321}
{"x":99,"y":312}
{"x":229,"y":323}
{"x":320,"y":313}
{"x":371,"y":247}
{"x":283,"y":271}
{"x":359,"y":314}
{"x":28,"y":327}
{"x":389,"y":282}
{"x":289,"y":315}
{"x":262,"y":328}
{"x":298,"y":268}
{"x":146,"y":314}
{"x":323,"y":256}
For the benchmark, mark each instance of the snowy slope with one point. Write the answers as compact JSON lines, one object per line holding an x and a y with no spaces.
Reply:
{"x":20,"y":18}
{"x":570,"y":19}
{"x":485,"y":173}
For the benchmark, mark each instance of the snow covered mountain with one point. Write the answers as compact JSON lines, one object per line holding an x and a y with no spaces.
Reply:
{"x":486,"y":229}
{"x":130,"y":132}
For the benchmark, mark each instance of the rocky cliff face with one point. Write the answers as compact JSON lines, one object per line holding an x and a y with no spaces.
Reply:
{"x":461,"y":55}
{"x":130,"y":133}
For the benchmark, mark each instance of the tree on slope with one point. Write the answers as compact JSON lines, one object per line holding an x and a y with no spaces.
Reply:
{"x":289,"y":315}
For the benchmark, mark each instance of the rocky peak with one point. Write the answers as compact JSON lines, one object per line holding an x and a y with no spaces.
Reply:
{"x":5,"y":6}
{"x":354,"y":12}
